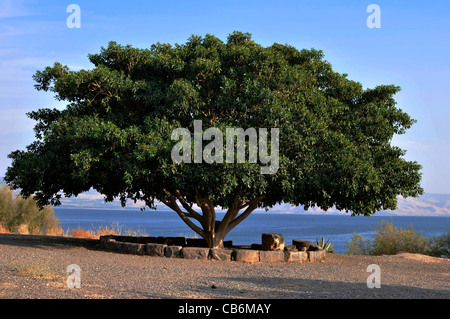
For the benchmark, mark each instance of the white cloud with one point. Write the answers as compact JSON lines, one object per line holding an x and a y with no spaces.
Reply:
{"x":8,"y":31}
{"x":14,"y":9}
{"x":409,"y":145}
{"x":92,"y":197}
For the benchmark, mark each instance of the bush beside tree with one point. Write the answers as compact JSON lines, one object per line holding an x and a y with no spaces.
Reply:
{"x":390,"y":240}
{"x":22,"y":215}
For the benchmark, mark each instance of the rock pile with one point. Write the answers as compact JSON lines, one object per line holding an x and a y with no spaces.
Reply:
{"x":271,"y":250}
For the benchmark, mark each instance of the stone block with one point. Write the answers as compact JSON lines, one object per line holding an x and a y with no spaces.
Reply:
{"x":274,"y":256}
{"x":295,"y":256}
{"x":155,"y":249}
{"x":242,"y":247}
{"x":290,"y":248}
{"x":126,"y":239}
{"x":114,"y":246}
{"x":196,"y":242}
{"x":195,"y":253}
{"x":146,"y":240}
{"x":171,"y":241}
{"x":172,"y":251}
{"x":133,"y":248}
{"x":301,"y":244}
{"x":314,"y":255}
{"x":272,"y":242}
{"x":245,"y":255}
{"x":107,"y":243}
{"x":321,"y":253}
{"x":104,"y":240}
{"x":228,"y":243}
{"x":220,"y":254}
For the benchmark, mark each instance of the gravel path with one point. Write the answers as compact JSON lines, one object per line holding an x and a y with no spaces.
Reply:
{"x":110,"y":275}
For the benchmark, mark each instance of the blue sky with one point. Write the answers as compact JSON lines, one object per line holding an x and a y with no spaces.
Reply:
{"x":411,"y":49}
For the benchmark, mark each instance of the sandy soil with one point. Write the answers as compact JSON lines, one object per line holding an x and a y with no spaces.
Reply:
{"x":32,"y":268}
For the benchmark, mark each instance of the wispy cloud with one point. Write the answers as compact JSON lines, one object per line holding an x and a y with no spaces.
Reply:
{"x":14,"y":9}
{"x":8,"y":31}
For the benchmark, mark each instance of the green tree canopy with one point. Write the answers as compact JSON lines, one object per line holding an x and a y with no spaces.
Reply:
{"x":115,"y":134}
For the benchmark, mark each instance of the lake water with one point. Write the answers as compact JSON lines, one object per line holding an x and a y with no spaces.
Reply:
{"x":338,"y":228}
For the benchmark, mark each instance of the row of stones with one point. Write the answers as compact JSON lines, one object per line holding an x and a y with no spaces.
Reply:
{"x":223,"y":254}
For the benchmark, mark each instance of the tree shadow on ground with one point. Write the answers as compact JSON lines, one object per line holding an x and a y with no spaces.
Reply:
{"x":296,"y":288}
{"x":53,"y":242}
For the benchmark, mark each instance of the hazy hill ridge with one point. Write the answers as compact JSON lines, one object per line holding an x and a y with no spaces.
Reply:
{"x":425,"y":205}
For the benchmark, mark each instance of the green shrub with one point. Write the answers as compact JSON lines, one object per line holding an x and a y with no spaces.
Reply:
{"x":389,"y":240}
{"x":358,"y":245}
{"x":440,"y":246}
{"x":22,"y":215}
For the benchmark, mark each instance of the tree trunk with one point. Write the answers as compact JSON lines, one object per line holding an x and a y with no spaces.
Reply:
{"x":211,"y":230}
{"x":214,"y":239}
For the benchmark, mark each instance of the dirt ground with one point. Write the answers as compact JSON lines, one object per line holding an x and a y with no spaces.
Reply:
{"x":32,"y":267}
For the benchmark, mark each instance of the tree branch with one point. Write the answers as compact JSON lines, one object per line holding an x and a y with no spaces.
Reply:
{"x":197,"y":199}
{"x":250,"y":202}
{"x":173,"y":205}
{"x":229,"y":216}
{"x":192,"y":213}
{"x":232,"y":211}
{"x":168,"y":204}
{"x":252,"y":205}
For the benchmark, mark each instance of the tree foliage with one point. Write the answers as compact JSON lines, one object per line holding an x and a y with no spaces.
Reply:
{"x":114,"y":135}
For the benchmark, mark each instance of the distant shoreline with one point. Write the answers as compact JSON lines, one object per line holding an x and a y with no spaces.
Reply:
{"x":428,"y":204}
{"x":277,"y":212}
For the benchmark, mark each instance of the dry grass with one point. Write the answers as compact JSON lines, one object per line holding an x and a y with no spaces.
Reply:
{"x":4,"y":230}
{"x":82,"y":233}
{"x":23,"y":229}
{"x":36,"y":270}
{"x":79,"y":232}
{"x":57,"y":231}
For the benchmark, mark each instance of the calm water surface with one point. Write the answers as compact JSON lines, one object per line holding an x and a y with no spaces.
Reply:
{"x":338,"y":228}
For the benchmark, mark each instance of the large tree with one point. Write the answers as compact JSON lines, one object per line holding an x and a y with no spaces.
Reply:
{"x":115,"y":135}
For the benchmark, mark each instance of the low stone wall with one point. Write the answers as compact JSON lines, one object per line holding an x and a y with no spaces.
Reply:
{"x":180,"y":247}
